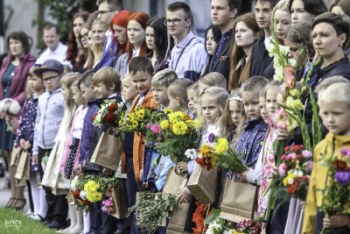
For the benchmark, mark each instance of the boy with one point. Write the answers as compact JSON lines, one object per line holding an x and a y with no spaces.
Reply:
{"x":249,"y":143}
{"x":49,"y":116}
{"x":260,"y":56}
{"x":335,"y":109}
{"x":141,"y":73}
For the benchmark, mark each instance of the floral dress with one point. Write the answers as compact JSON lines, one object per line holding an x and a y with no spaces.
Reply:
{"x":267,"y":160}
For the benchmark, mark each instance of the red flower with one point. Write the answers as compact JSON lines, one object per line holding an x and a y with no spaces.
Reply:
{"x":292,"y":188}
{"x":198,"y":218}
{"x":76,"y":194}
{"x":109,"y":117}
{"x":94,"y":117}
{"x":340,"y":165}
{"x":286,"y":148}
{"x":86,"y":202}
{"x":113,"y":107}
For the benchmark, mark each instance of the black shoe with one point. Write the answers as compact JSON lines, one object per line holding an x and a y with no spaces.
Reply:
{"x":57,"y":225}
{"x":47,"y":222}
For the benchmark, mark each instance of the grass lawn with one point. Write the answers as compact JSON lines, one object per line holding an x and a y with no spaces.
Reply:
{"x":27,"y":226}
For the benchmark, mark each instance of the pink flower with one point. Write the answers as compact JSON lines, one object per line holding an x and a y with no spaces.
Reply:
{"x":282,"y":169}
{"x":148,"y":125}
{"x":344,"y":152}
{"x":289,"y":78}
{"x":156,"y":129}
{"x":267,"y":169}
{"x":306,"y":154}
{"x":288,"y":158}
{"x":283,"y":156}
{"x":292,"y":155}
{"x":309,"y":165}
{"x":281,"y":119}
{"x":271,"y":158}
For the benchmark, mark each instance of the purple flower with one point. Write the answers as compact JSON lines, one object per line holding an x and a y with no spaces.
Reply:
{"x":309,"y":165}
{"x":306,"y":154}
{"x":342,"y":177}
{"x":344,"y":152}
{"x":211,"y":138}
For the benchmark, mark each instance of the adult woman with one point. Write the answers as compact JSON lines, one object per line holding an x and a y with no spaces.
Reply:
{"x":83,"y":43}
{"x":246,"y":33}
{"x":306,"y":10}
{"x":136,"y":45}
{"x":158,"y":42}
{"x":98,"y":31}
{"x":118,"y":26}
{"x":212,"y":37}
{"x":13,"y":76}
{"x":75,"y":54}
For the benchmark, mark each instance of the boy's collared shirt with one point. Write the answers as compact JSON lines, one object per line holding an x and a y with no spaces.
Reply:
{"x":142,"y":97}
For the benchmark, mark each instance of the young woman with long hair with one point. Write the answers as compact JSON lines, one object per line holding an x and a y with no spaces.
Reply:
{"x":212,"y":37}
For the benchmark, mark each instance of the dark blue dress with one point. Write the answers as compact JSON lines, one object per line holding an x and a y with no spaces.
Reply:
{"x":7,"y":138}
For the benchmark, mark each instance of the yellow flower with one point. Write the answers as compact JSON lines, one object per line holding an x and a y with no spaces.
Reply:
{"x":91,"y":186}
{"x":222,"y":146}
{"x":167,"y":111}
{"x":164,"y":124}
{"x":135,"y":123}
{"x":298,"y":105}
{"x":121,"y":121}
{"x":129,"y":126}
{"x":191,"y":123}
{"x":295,"y":92}
{"x":214,"y":160}
{"x":197,"y":123}
{"x":290,"y":176}
{"x":176,"y":117}
{"x":180,"y":128}
{"x":94,"y":196}
{"x":141,"y":115}
{"x":204,"y":150}
{"x":291,"y":122}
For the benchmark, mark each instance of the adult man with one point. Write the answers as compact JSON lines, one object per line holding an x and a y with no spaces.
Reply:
{"x":55,"y":49}
{"x":188,"y":57}
{"x":223,"y":14}
{"x":106,"y":11}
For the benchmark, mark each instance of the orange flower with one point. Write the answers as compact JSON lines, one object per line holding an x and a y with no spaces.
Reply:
{"x":188,"y":131}
{"x":186,"y":117}
{"x":171,"y":127}
{"x":289,"y":77}
{"x":86,"y":202}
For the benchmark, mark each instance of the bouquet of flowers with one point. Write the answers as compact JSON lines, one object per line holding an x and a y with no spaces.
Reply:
{"x":9,"y":106}
{"x":179,"y":133}
{"x":110,"y":114}
{"x":217,"y":225}
{"x":137,"y":120}
{"x":77,"y":190}
{"x":153,"y":128}
{"x":336,"y":194}
{"x":108,"y":206}
{"x":151,"y":212}
{"x":248,"y":227}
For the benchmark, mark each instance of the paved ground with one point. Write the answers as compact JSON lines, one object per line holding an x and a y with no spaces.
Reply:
{"x":5,"y":195}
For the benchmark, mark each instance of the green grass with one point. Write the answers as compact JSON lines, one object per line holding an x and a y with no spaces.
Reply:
{"x":27,"y":225}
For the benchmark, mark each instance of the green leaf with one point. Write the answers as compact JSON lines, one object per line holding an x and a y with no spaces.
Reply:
{"x":212,"y":217}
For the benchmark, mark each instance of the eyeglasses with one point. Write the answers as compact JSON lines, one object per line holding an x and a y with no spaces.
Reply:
{"x":174,"y":21}
{"x":50,"y":78}
{"x":103,"y":12}
{"x":81,"y":37}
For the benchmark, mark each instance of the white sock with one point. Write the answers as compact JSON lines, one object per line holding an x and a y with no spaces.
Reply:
{"x":35,"y":192}
{"x":86,"y":222}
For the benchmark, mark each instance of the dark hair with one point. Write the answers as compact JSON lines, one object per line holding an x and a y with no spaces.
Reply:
{"x":50,"y":26}
{"x":235,"y":4}
{"x":72,"y":51}
{"x":86,"y":78}
{"x":341,"y":23}
{"x":113,"y":5}
{"x":181,"y":5}
{"x":316,"y":7}
{"x":140,"y":64}
{"x":217,"y":35}
{"x":20,"y":36}
{"x":160,"y":38}
{"x":273,"y":2}
{"x":343,"y":4}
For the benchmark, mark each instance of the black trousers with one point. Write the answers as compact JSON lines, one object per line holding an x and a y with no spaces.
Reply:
{"x":57,"y":206}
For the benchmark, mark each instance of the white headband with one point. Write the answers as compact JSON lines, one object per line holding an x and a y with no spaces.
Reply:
{"x":236,"y":98}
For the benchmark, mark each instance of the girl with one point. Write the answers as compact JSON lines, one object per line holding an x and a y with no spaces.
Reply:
{"x":53,"y":178}
{"x":70,"y":153}
{"x":98,"y":31}
{"x":136,"y":45}
{"x":305,"y":10}
{"x":246,"y":33}
{"x":75,"y":55}
{"x":118,"y":26}
{"x":190,"y":99}
{"x":158,"y":42}
{"x":13,"y":76}
{"x":212,"y":37}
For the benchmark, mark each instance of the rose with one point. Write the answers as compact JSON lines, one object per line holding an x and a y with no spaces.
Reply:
{"x":109,"y":117}
{"x":306,"y":154}
{"x":283,"y":156}
{"x":113,"y":107}
{"x":342,"y":177}
{"x":340,"y":165}
{"x":83,"y":195}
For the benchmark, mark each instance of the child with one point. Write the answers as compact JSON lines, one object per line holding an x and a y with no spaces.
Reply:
{"x":190,"y":99}
{"x":212,"y":79}
{"x":335,"y":109}
{"x":106,"y":85}
{"x":50,"y":111}
{"x":141,"y":73}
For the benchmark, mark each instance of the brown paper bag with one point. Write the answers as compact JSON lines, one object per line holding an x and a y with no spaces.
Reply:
{"x":108,"y":151}
{"x":20,"y":183}
{"x":178,"y":219}
{"x":174,"y":182}
{"x":15,"y":156}
{"x":239,"y":201}
{"x":202,"y":184}
{"x":119,"y":206}
{"x":23,"y":167}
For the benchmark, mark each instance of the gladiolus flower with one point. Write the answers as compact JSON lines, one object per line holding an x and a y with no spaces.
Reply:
{"x":289,"y":77}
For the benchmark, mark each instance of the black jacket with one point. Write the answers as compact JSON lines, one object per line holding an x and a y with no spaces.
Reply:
{"x":260,"y":58}
{"x":222,"y":63}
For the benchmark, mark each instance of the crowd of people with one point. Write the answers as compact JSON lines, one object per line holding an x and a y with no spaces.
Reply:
{"x":225,"y":80}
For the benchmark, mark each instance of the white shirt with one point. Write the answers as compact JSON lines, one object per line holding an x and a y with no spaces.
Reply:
{"x":59,"y":54}
{"x":267,"y":41}
{"x":108,"y":35}
{"x":135,"y":53}
{"x":79,"y":122}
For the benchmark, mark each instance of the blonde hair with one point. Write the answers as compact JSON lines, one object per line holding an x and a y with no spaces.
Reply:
{"x":339,"y":92}
{"x":68,"y":80}
{"x":193,"y":87}
{"x":178,"y":87}
{"x":66,"y":69}
{"x":97,"y":50}
{"x":126,"y":75}
{"x":254,"y":84}
{"x":31,"y":71}
{"x":164,"y":77}
{"x":329,"y":81}
{"x":225,"y":121}
{"x":283,"y":6}
{"x":214,"y":79}
{"x":274,"y":84}
{"x":220,"y":96}
{"x":108,"y":76}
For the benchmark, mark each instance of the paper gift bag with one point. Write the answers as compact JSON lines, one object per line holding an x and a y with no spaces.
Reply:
{"x":23,"y":167}
{"x":108,"y":151}
{"x":178,"y":219}
{"x":239,"y":201}
{"x":202,"y":184}
{"x":15,"y":156}
{"x":119,"y":206}
{"x":174,"y":182}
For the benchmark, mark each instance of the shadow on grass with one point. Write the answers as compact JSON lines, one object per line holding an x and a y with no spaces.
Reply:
{"x":15,"y":222}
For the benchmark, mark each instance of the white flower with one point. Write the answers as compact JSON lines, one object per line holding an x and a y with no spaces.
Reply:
{"x":191,"y":154}
{"x":298,"y":173}
{"x":14,"y":108}
{"x":76,"y":179}
{"x":121,"y":104}
{"x":292,"y":62}
{"x":214,"y":228}
{"x":271,"y":49}
{"x":284,"y":50}
{"x":290,"y":181}
{"x":73,"y":186}
{"x":279,"y":74}
{"x":83,"y":195}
